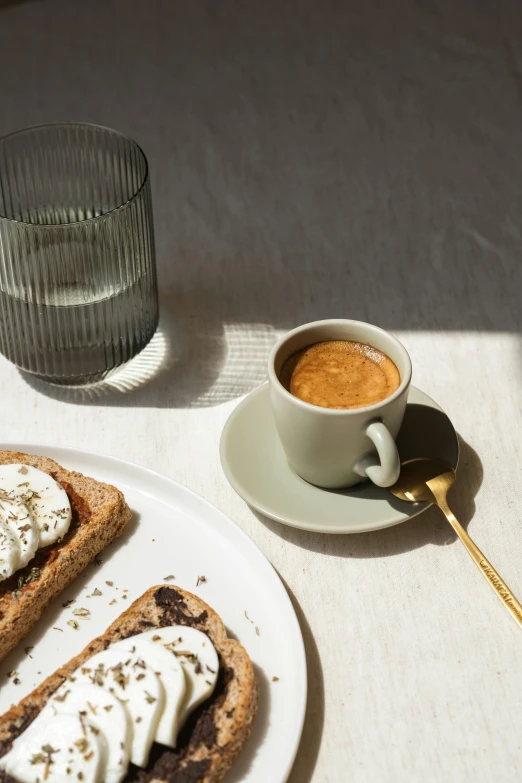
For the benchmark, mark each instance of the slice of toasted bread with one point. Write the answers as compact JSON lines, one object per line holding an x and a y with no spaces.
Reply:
{"x":217,"y":730}
{"x":99,"y":514}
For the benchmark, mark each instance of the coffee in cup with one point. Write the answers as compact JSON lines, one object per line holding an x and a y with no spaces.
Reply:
{"x":331,"y":437}
{"x":340,"y":374}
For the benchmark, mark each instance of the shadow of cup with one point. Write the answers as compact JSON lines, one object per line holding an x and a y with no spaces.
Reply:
{"x":430,"y":527}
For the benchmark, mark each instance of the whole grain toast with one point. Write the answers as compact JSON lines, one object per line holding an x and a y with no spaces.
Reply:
{"x":217,"y":730}
{"x":99,"y":514}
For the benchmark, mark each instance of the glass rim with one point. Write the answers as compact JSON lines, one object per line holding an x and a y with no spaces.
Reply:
{"x":58,"y":226}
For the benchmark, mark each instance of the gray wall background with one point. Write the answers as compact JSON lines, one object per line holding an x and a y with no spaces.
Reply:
{"x":308,"y":158}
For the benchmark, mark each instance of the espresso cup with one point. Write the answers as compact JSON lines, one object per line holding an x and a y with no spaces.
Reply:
{"x":333,"y":447}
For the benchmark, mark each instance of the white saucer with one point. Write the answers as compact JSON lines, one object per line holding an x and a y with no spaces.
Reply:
{"x":255,"y":465}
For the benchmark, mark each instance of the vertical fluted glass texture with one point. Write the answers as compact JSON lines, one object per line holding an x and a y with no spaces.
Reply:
{"x":78,"y":290}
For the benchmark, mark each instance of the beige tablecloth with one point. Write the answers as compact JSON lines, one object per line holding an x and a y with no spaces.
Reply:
{"x":315,"y":159}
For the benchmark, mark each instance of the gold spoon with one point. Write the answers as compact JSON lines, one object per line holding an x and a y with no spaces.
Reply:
{"x":430,"y":480}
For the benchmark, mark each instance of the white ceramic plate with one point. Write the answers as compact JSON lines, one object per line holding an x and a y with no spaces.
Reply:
{"x":174,"y":531}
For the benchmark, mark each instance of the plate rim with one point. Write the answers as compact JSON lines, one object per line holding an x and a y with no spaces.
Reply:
{"x":295,"y":524}
{"x":237,"y":531}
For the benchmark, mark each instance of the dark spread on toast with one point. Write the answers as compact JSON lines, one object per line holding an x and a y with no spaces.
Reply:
{"x":81,"y":511}
{"x":14,"y":730}
{"x":200,"y":729}
{"x":192,"y":772}
{"x":172,"y":605}
{"x":175,"y":765}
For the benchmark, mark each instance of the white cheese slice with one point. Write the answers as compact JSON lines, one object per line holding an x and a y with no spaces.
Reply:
{"x":198,"y":657}
{"x":55,"y":750}
{"x":46,"y":500}
{"x":105,"y":713}
{"x":18,"y":518}
{"x":134,"y":683}
{"x":170,"y":672}
{"x":9,"y":551}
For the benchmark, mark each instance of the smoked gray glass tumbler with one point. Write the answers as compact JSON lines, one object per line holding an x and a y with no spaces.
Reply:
{"x":78,"y":290}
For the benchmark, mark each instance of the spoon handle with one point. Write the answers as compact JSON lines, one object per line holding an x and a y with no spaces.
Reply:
{"x":484,"y":566}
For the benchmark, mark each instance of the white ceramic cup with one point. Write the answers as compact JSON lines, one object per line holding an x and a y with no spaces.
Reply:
{"x":331,"y":447}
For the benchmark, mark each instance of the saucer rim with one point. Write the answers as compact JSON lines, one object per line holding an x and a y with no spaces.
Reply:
{"x":291,"y":522}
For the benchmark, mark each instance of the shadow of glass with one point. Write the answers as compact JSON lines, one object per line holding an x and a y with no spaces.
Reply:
{"x":308,"y":751}
{"x":194,"y":360}
{"x":429,"y":528}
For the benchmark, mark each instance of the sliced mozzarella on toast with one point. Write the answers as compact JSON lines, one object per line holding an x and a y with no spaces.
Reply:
{"x":18,"y":518}
{"x":55,"y":750}
{"x":9,"y":551}
{"x":46,"y":500}
{"x":105,"y":713}
{"x":168,"y":669}
{"x":134,"y":683}
{"x":198,"y":657}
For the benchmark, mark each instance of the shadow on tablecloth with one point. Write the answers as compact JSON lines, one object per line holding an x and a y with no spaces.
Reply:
{"x":303,"y":769}
{"x":430,"y":527}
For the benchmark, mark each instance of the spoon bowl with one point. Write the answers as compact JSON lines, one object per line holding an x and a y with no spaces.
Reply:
{"x":413,"y":482}
{"x":430,"y":480}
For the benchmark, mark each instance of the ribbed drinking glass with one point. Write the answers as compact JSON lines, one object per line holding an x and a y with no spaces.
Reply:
{"x":78,"y":290}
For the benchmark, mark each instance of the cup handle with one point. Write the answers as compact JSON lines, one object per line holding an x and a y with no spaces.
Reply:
{"x":384,"y":472}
